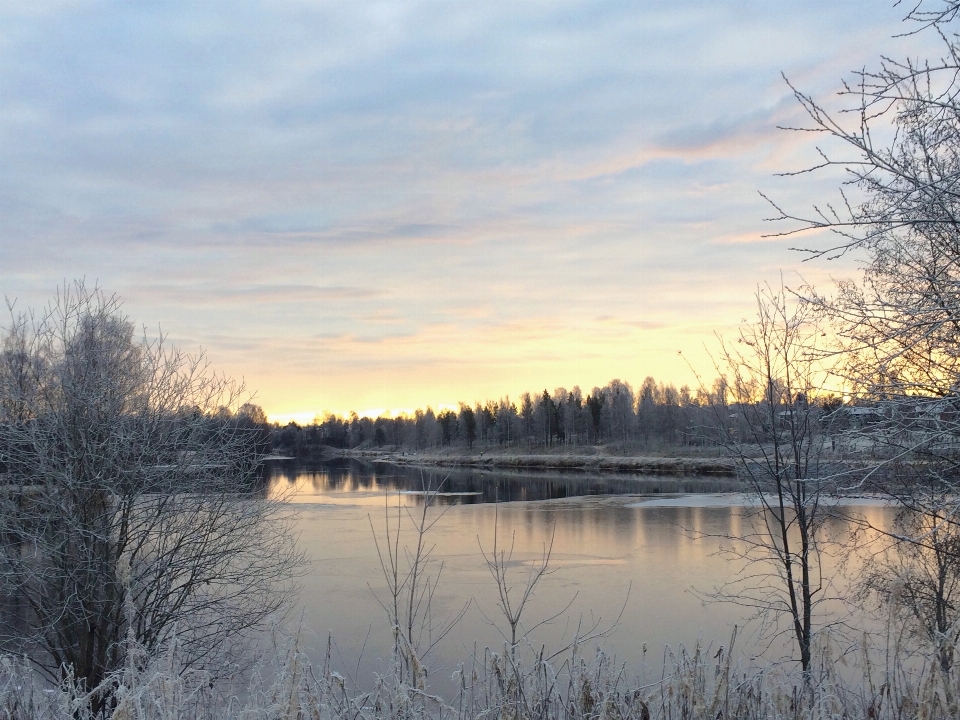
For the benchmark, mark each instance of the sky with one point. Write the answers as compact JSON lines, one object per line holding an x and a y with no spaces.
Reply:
{"x":381,"y":206}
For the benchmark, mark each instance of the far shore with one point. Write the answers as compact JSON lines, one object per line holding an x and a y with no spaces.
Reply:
{"x":593,"y":463}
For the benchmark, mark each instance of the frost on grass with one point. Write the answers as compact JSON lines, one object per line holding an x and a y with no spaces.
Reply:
{"x":694,"y":685}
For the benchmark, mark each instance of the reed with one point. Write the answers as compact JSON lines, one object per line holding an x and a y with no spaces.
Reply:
{"x":506,"y":684}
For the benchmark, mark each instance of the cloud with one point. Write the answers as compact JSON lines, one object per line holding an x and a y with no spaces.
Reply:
{"x":320,"y":192}
{"x":189,"y":294}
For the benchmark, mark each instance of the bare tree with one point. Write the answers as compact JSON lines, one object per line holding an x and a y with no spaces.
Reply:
{"x":129,"y":507}
{"x":412,"y":575}
{"x":896,"y":141}
{"x":916,"y":578}
{"x":618,"y":410}
{"x":772,"y":427}
{"x":897,"y":144}
{"x":513,"y":599}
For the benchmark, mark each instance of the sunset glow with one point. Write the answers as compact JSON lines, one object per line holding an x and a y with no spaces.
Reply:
{"x":380,"y":207}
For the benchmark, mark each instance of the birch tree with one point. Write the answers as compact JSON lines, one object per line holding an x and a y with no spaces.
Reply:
{"x":772,"y":427}
{"x":895,"y":144}
{"x":129,"y":510}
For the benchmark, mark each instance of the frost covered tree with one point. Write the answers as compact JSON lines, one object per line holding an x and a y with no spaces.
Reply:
{"x":129,"y":506}
{"x":771,"y":425}
{"x":897,"y":146}
{"x":895,"y":142}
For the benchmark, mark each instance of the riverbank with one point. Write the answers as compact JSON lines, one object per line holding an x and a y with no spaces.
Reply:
{"x":589,"y":463}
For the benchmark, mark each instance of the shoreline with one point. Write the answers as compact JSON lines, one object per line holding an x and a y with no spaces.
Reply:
{"x":601,"y":464}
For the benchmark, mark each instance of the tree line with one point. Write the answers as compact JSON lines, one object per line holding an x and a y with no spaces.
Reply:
{"x":656,"y":416}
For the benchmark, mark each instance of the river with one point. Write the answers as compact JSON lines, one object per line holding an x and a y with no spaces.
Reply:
{"x":635,"y":568}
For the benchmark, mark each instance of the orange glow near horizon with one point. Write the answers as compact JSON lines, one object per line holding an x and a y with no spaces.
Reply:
{"x":404,"y":385}
{"x":441,"y":367}
{"x":395,"y":210}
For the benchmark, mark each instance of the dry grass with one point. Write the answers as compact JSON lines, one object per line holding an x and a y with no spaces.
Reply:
{"x":517,"y":683}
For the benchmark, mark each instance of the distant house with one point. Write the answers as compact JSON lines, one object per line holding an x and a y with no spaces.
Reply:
{"x":864,"y":414}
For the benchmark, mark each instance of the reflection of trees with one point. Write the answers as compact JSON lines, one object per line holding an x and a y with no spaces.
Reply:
{"x":470,"y":486}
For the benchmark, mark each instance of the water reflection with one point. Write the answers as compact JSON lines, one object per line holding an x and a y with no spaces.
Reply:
{"x":651,"y":561}
{"x":348,"y":480}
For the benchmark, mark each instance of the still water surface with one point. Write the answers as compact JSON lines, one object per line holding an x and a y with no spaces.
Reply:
{"x":646,"y":560}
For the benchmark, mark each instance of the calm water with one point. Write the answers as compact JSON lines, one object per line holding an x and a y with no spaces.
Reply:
{"x":356,"y":482}
{"x":643,"y":559}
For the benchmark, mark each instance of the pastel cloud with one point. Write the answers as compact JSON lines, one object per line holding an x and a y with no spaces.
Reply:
{"x":389,"y":204}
